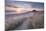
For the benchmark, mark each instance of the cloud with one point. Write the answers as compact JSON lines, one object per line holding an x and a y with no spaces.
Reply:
{"x":23,"y":6}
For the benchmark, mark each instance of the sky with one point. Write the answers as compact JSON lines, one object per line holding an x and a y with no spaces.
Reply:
{"x":24,"y":5}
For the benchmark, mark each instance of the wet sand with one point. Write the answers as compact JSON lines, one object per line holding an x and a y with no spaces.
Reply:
{"x":24,"y":21}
